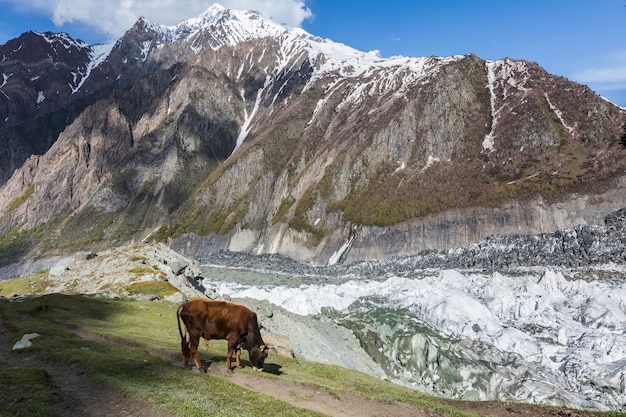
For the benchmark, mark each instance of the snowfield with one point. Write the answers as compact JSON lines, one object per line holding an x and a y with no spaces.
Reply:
{"x":544,"y":336}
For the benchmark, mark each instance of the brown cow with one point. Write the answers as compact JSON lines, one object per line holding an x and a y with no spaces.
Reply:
{"x":214,"y":319}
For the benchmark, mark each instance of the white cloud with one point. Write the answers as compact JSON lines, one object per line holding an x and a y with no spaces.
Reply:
{"x":613,"y":73}
{"x":604,"y":75}
{"x":288,"y":12}
{"x":114,"y":17}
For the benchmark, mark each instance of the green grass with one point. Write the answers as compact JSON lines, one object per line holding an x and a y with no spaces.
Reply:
{"x":284,"y":207}
{"x":300,"y":220}
{"x":20,"y":199}
{"x":160,"y":288}
{"x":80,"y":230}
{"x":32,"y":284}
{"x":18,"y":241}
{"x":28,"y":392}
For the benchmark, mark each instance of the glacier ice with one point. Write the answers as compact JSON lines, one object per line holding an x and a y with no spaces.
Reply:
{"x":544,"y":336}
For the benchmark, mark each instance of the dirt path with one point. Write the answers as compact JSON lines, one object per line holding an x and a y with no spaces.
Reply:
{"x":313,"y":398}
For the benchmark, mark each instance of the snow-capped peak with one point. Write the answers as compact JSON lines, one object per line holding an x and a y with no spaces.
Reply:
{"x":219,"y":26}
{"x":63,"y":39}
{"x":226,"y":26}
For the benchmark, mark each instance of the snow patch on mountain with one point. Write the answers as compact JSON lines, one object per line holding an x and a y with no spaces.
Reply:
{"x":245,"y":128}
{"x":63,"y":39}
{"x":488,"y":142}
{"x":559,"y":114}
{"x":504,"y":77}
{"x":97,"y":54}
{"x":5,"y":79}
{"x":331,"y":57}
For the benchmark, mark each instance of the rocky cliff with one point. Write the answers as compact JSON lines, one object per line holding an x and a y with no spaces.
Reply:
{"x":231,"y":132}
{"x":47,"y":80}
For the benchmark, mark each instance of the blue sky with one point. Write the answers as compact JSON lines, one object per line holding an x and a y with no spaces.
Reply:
{"x":582,"y":40}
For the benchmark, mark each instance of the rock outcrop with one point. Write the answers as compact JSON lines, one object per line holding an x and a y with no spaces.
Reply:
{"x":48,"y":79}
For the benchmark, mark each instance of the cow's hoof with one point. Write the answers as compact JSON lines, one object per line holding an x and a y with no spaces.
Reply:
{"x":230,"y":371}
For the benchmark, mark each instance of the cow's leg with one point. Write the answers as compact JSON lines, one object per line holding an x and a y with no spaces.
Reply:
{"x":229,"y":356}
{"x":193,"y":347}
{"x":184,"y":347}
{"x":232,"y":346}
{"x":239,"y":365}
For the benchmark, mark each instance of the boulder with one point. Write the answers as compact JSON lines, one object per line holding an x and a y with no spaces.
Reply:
{"x":176,"y":298}
{"x":25,"y":341}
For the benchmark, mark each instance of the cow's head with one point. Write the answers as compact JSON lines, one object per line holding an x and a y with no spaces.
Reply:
{"x":257,"y":357}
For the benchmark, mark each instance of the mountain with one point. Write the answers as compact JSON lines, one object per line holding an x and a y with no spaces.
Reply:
{"x":228,"y":131}
{"x":47,"y":80}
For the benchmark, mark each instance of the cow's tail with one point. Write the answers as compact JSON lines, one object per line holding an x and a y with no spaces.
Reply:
{"x":184,"y":339}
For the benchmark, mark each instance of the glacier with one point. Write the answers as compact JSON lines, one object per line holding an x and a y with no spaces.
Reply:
{"x":541,"y":335}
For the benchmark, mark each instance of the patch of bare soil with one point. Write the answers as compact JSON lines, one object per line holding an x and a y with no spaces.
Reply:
{"x":91,"y":399}
{"x":312,"y":398}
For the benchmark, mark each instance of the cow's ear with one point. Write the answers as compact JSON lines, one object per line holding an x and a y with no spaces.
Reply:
{"x":263,"y":348}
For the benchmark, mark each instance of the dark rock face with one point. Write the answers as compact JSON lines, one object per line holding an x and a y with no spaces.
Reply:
{"x":47,"y":82}
{"x":50,"y":78}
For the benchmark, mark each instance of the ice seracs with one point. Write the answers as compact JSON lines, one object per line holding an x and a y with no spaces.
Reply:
{"x":566,"y":336}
